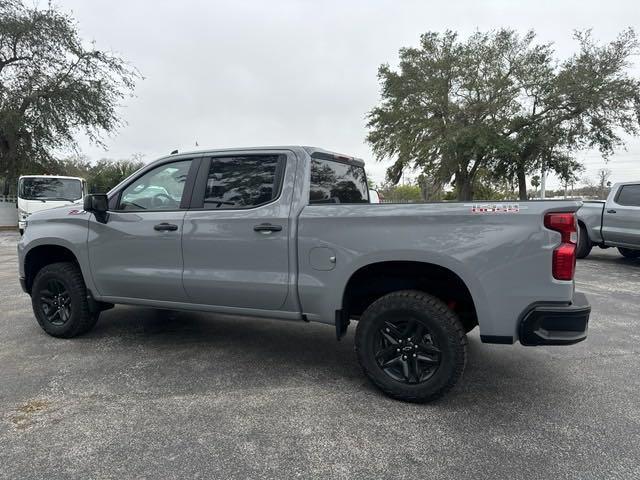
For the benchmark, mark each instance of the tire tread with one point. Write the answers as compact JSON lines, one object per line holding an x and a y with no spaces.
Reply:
{"x":72,"y":274}
{"x":454,"y":326}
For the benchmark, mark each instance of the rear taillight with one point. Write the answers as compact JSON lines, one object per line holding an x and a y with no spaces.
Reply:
{"x":564,"y":256}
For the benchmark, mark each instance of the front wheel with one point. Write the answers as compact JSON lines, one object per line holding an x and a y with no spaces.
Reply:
{"x":59,"y":300}
{"x":629,"y":253}
{"x":584,"y":243}
{"x":411,"y":346}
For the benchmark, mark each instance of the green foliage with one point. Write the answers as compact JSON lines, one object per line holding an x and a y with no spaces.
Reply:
{"x":535,"y":181}
{"x":501,"y":103}
{"x":101,"y":176}
{"x":587,"y":102}
{"x":52,"y":86}
{"x":445,"y":109}
{"x":106,"y":174}
{"x":401,"y":193}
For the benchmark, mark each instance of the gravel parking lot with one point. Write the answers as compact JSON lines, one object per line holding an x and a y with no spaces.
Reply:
{"x":149,"y":394}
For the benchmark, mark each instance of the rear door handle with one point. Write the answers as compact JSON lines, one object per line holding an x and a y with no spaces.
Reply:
{"x":165,"y":227}
{"x":611,"y":210}
{"x":267,"y":228}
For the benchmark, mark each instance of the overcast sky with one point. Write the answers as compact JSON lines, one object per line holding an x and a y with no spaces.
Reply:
{"x":245,"y":73}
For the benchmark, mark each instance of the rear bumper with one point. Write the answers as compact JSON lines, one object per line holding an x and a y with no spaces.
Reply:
{"x":553,"y":324}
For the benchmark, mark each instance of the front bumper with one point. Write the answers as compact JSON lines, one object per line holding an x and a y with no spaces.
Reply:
{"x":553,"y":324}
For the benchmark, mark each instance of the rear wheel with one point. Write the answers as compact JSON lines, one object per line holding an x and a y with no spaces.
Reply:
{"x":411,"y":346}
{"x":584,"y":243}
{"x":59,"y":300}
{"x":629,"y":253}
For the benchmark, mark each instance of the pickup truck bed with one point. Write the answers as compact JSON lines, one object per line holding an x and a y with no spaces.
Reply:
{"x":288,"y":232}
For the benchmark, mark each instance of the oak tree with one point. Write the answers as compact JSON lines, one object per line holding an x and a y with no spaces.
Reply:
{"x":53,"y":86}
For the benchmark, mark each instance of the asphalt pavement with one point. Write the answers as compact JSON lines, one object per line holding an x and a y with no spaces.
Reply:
{"x":157,"y":395}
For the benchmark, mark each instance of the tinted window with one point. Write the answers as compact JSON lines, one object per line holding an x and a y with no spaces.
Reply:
{"x":50,"y":189}
{"x":333,"y":182}
{"x":158,"y":189}
{"x":241,"y":182}
{"x":629,"y":195}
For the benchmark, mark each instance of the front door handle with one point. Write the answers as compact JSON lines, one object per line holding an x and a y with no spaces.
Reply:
{"x":611,"y":210}
{"x":266,"y":228}
{"x":165,"y":227}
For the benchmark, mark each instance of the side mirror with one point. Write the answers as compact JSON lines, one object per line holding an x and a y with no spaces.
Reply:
{"x":97,"y":203}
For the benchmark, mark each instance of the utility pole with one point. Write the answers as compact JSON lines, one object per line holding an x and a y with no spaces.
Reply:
{"x":543,"y":181}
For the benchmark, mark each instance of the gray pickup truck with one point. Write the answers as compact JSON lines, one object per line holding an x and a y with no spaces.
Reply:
{"x":612,"y":223}
{"x":289,"y":233}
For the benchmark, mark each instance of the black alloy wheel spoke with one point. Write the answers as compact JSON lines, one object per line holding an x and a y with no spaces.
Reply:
{"x":428,"y":349}
{"x":428,"y":360}
{"x":386,"y":353}
{"x":393,"y":362}
{"x":56,"y":302}
{"x":405,"y":351}
{"x":391,"y":333}
{"x":414,"y":370}
{"x":410,"y":328}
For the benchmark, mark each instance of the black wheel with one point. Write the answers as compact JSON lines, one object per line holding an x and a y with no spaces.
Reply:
{"x":629,"y":253}
{"x":584,"y":243}
{"x":411,"y":346}
{"x":59,"y":299}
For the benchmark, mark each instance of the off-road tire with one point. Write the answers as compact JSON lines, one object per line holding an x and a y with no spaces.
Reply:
{"x":443,"y":325}
{"x":584,"y":243}
{"x":81,"y":319}
{"x":629,"y":253}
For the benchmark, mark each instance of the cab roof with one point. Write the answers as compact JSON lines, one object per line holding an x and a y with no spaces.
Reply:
{"x":315,"y":152}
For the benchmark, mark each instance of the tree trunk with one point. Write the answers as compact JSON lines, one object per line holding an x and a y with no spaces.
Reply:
{"x":8,"y":162}
{"x":522,"y":181}
{"x":464,"y":186}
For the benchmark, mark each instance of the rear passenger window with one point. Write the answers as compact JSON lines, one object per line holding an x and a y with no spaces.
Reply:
{"x":334,"y":182}
{"x":629,"y":195}
{"x":241,"y":182}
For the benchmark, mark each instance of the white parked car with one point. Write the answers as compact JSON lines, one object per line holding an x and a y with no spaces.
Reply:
{"x":42,"y":192}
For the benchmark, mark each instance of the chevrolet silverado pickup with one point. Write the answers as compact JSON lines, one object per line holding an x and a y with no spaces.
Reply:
{"x":612,"y":223}
{"x":290,"y":233}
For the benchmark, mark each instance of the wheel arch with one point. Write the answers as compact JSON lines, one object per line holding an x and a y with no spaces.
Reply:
{"x":374,"y":280}
{"x":41,"y":255}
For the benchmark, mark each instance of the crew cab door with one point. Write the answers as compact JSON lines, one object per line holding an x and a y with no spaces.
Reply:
{"x":237,"y":231}
{"x":621,"y":220}
{"x":136,"y":253}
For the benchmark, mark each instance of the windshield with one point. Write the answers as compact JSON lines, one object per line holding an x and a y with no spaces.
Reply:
{"x":50,"y":189}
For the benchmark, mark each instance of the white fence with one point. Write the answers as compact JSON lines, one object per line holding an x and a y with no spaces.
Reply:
{"x":8,"y":211}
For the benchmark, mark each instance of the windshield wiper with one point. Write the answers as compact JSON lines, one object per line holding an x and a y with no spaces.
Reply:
{"x":57,"y":198}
